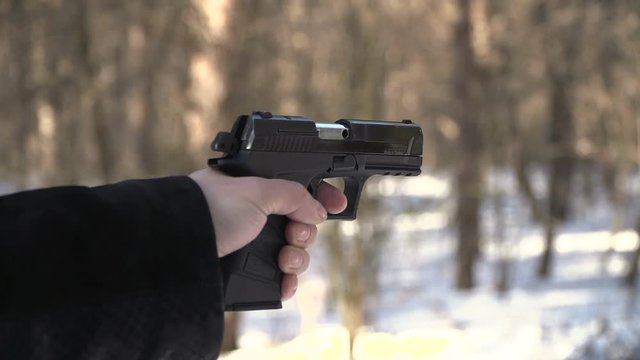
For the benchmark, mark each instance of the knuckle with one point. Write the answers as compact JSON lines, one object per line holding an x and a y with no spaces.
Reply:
{"x":314,"y":233}
{"x":299,"y":189}
{"x":293,"y":260}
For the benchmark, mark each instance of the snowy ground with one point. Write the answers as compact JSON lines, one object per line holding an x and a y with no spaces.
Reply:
{"x":582,"y":312}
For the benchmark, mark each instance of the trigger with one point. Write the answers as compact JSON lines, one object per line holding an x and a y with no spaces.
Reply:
{"x":313,"y":187}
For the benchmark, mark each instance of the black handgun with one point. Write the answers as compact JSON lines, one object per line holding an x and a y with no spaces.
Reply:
{"x":298,"y":149}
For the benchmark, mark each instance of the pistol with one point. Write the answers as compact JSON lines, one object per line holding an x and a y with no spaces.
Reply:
{"x":298,"y":149}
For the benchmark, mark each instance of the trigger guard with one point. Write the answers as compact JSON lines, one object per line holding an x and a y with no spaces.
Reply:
{"x":352,"y":188}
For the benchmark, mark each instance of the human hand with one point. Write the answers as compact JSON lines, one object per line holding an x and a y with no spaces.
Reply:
{"x":239,"y":208}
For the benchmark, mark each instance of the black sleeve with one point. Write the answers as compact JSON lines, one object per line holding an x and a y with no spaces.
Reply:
{"x":122,"y":271}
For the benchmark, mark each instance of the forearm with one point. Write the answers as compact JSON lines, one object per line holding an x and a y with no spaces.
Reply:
{"x":74,"y":244}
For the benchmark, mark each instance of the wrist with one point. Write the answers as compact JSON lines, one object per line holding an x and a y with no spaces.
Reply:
{"x":204,"y":179}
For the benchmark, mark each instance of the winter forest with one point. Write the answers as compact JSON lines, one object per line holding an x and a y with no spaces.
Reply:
{"x":519,"y":241}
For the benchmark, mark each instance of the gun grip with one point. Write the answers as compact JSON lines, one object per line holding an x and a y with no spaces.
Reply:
{"x":252,"y":277}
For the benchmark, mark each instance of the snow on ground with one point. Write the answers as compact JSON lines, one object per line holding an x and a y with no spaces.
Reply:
{"x":581,"y":312}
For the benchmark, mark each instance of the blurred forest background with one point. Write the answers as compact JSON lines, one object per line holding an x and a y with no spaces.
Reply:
{"x":99,"y":91}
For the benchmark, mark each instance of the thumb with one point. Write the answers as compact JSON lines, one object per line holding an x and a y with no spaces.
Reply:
{"x":283,"y":197}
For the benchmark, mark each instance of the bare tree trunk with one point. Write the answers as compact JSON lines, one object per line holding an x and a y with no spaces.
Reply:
{"x":230,"y":338}
{"x":620,"y":157}
{"x":561,"y":137}
{"x":22,"y":106}
{"x":618,"y":199}
{"x":248,"y":63}
{"x":110,"y":123}
{"x":251,"y":78}
{"x":547,"y":253}
{"x":503,"y":262}
{"x":468,"y":176}
{"x":367,"y":73}
{"x":155,"y":55}
{"x":632,"y":274}
{"x":561,"y":73}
